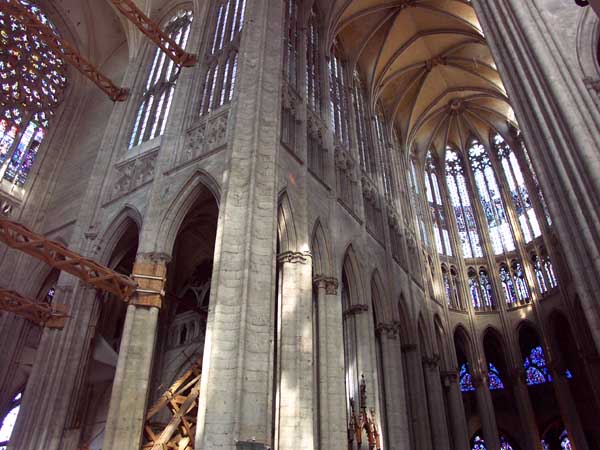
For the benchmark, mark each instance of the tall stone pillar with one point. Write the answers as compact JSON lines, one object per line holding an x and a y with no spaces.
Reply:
{"x":568,"y":409}
{"x":437,"y":407}
{"x":417,"y":396}
{"x":332,"y":394}
{"x":236,"y":404}
{"x":485,"y":407}
{"x":296,"y":387}
{"x":525,"y":409}
{"x":396,"y":423}
{"x":458,"y":421}
{"x":127,"y":410}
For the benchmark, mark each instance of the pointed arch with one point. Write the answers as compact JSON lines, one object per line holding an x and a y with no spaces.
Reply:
{"x":440,"y":342}
{"x":126,"y":219}
{"x":200,"y":184}
{"x":321,"y":252}
{"x":286,"y":227}
{"x":351,"y":272}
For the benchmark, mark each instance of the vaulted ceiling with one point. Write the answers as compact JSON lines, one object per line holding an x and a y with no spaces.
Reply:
{"x":428,"y":64}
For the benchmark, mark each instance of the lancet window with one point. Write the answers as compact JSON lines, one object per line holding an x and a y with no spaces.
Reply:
{"x":494,"y":380}
{"x":461,"y":204}
{"x":416,"y":202}
{"x":222,"y":55}
{"x":291,"y":42}
{"x":33,"y":80}
{"x":384,"y":153}
{"x":313,"y":63}
{"x":535,"y":181}
{"x":367,"y":161}
{"x":155,"y":104}
{"x":519,"y":193}
{"x":536,"y":370}
{"x":465,"y":379}
{"x":481,"y":290}
{"x":338,"y":96}
{"x":441,"y":233}
{"x":491,"y":199}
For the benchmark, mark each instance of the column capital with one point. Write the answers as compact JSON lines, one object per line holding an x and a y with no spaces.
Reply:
{"x":294,"y":257}
{"x":431,"y":362}
{"x":449,"y":377}
{"x":356,"y":309}
{"x":330,"y":284}
{"x":150,"y":274}
{"x":517,"y":375}
{"x":389,"y":330}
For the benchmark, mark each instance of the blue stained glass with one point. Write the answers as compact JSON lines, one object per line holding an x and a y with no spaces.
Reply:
{"x":565,"y":442}
{"x":479,"y":443}
{"x":494,"y":381}
{"x":536,"y":370}
{"x":508,"y":286}
{"x":465,"y":379}
{"x":486,"y":288}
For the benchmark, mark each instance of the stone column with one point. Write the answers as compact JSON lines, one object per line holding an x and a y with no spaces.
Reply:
{"x":417,"y":398}
{"x":568,"y":409}
{"x":331,"y":384}
{"x":437,"y":408}
{"x":526,"y":413}
{"x":396,"y":417}
{"x":458,"y":421}
{"x":237,"y":374}
{"x":296,"y":396}
{"x":127,"y":410}
{"x":485,"y":407}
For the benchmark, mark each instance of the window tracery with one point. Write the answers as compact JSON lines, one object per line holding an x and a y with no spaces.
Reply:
{"x":384,"y":153}
{"x":33,"y":79}
{"x":519,"y":193}
{"x":222,"y":55}
{"x":441,"y":233}
{"x":313,"y":63}
{"x":155,"y":105}
{"x":536,"y":370}
{"x":291,"y":43}
{"x":494,"y":380}
{"x":465,"y":379}
{"x":480,"y":287}
{"x":491,"y":200}
{"x":461,"y":204}
{"x":367,"y":162}
{"x":416,"y":203}
{"x":338,"y":96}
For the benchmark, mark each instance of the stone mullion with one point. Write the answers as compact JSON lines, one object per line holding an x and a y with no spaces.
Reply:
{"x":532,"y":96}
{"x":332,"y":393}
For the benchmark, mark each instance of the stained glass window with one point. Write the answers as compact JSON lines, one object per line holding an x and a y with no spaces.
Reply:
{"x":8,"y":422}
{"x":491,"y":200}
{"x":510,"y":294}
{"x":518,"y":190}
{"x":436,"y":208}
{"x":539,"y":274}
{"x":384,"y":153}
{"x":549,"y":270}
{"x":222,"y":55}
{"x":480,"y":287}
{"x":338,"y":98}
{"x":461,"y":204}
{"x":520,"y":282}
{"x":479,"y":443}
{"x":536,"y":182}
{"x":447,"y":287}
{"x":487,"y":290}
{"x":565,"y":441}
{"x":313,"y":63}
{"x":494,"y":381}
{"x":33,"y":80}
{"x":416,"y":201}
{"x":476,"y":297}
{"x":465,"y":379}
{"x":536,"y":370}
{"x":155,"y":105}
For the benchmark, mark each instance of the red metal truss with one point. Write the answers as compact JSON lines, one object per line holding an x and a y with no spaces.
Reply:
{"x":63,"y":48}
{"x":40,"y":313}
{"x":130,"y":10}
{"x":58,"y":256}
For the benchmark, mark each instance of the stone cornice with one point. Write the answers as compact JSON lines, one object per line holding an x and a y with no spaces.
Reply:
{"x":294,"y":257}
{"x":329,"y":283}
{"x":356,"y":309}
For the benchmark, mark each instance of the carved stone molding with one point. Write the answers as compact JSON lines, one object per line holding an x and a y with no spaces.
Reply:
{"x":294,"y":257}
{"x":206,"y":136}
{"x":356,"y":309}
{"x":6,"y":207}
{"x":449,"y":377}
{"x":431,"y":362}
{"x":370,"y":193}
{"x":407,"y":348}
{"x":154,"y":257}
{"x":343,"y":160}
{"x":389,"y":330}
{"x":133,"y":173}
{"x":315,"y":128}
{"x":330,"y":284}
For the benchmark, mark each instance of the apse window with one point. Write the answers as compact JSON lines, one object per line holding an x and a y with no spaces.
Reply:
{"x":8,"y":422}
{"x":33,"y":79}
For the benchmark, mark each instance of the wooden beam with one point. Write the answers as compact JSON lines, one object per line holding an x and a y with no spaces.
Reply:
{"x":179,"y":56}
{"x":64,"y":49}
{"x":41,"y":313}
{"x":58,"y":256}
